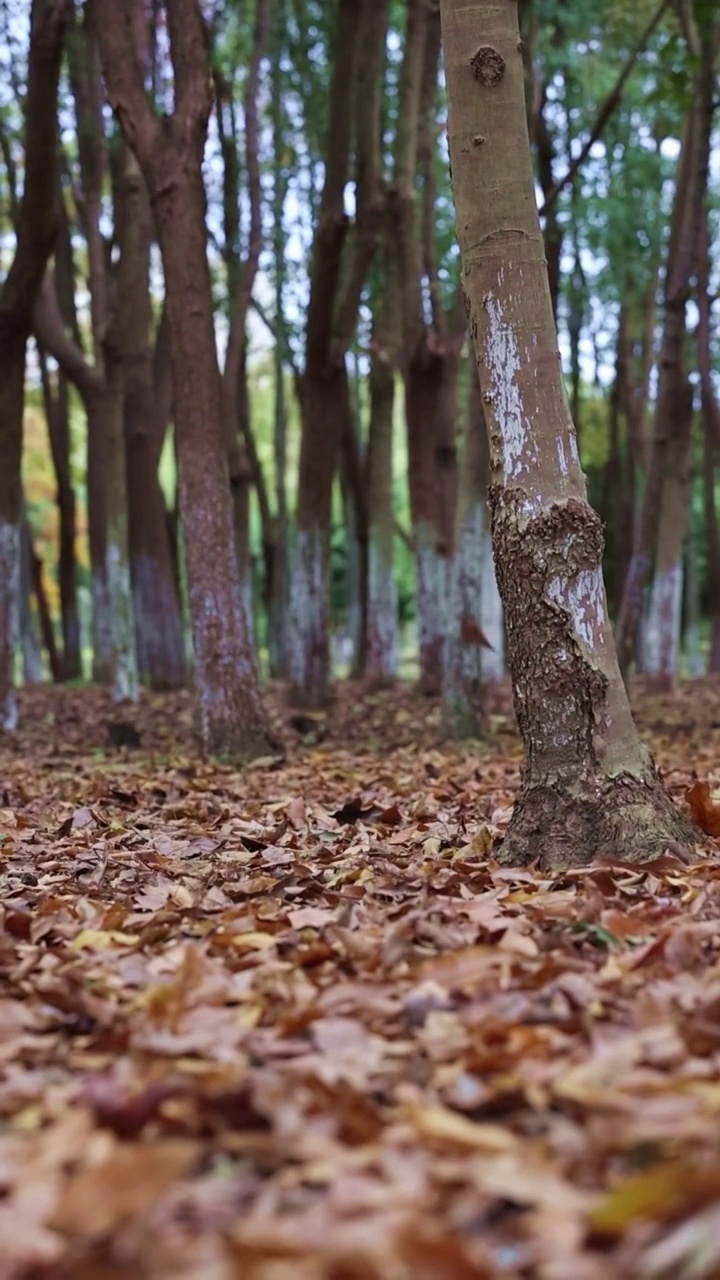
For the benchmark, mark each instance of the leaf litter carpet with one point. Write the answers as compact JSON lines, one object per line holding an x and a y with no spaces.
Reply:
{"x":295,"y":1023}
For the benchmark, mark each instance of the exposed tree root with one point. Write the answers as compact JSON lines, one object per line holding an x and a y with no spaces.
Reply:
{"x":574,"y":824}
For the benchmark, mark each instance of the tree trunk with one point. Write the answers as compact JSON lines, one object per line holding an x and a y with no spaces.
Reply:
{"x":35,"y":235}
{"x":29,"y":638}
{"x":231,"y":716}
{"x":158,"y":627}
{"x":336,"y":283}
{"x":669,"y":410}
{"x":589,"y":787}
{"x":382,"y":605}
{"x":713,"y":543}
{"x":324,"y":403}
{"x":663,"y":624}
{"x":97,"y":508}
{"x":43,"y":607}
{"x":475,"y":635}
{"x":57,"y":413}
{"x":232,"y":720}
{"x":431,"y":411}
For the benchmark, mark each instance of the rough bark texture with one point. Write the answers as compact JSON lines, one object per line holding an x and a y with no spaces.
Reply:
{"x":231,"y":717}
{"x":35,"y":236}
{"x":472,"y":655}
{"x":589,"y":787}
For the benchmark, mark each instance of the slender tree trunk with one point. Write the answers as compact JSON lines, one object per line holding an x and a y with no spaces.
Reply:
{"x":474,"y":599}
{"x":97,"y":508}
{"x":663,"y":624}
{"x":382,"y":608}
{"x":337,"y":279}
{"x":711,"y":438}
{"x":12,"y":378}
{"x":158,"y":627}
{"x":232,"y":719}
{"x":57,"y":413}
{"x":29,"y":638}
{"x":324,"y":403}
{"x":669,"y":410}
{"x":37,"y":584}
{"x":589,"y":786}
{"x":431,"y":411}
{"x":713,"y":544}
{"x":278,"y":603}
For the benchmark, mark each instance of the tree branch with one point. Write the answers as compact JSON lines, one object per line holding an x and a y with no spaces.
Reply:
{"x":607,"y":109}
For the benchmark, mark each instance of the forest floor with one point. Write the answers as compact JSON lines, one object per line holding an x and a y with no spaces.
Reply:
{"x":294,"y":1023}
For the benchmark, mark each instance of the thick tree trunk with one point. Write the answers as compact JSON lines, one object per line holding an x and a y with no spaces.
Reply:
{"x":475,"y":635}
{"x":35,"y":234}
{"x":589,"y":787}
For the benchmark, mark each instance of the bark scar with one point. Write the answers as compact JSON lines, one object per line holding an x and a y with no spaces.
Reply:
{"x":488,"y":66}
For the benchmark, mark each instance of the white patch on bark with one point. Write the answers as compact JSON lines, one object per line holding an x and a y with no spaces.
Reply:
{"x":661,"y":632}
{"x":492,"y":616}
{"x":562,"y":460}
{"x":574,"y":449}
{"x":308,"y":642}
{"x":9,"y":616}
{"x":125,"y":679}
{"x":382,"y":612}
{"x":502,"y":357}
{"x":583,"y":597}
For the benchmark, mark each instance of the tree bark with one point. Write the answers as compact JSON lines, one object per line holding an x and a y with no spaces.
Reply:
{"x":35,"y":236}
{"x":336,"y":281}
{"x":156,"y":607}
{"x":231,"y":716}
{"x":669,"y":410}
{"x":57,"y":413}
{"x":430,"y":352}
{"x":589,"y":787}
{"x":382,"y":606}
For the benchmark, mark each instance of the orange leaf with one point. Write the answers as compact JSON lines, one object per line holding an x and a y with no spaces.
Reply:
{"x":703,"y":808}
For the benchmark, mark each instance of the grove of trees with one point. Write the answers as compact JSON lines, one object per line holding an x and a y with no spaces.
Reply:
{"x":258,"y":381}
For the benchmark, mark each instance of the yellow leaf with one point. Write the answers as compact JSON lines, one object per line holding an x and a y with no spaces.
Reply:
{"x":246,"y":941}
{"x":441,"y":1124}
{"x":102,"y":939}
{"x":653,"y":1193}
